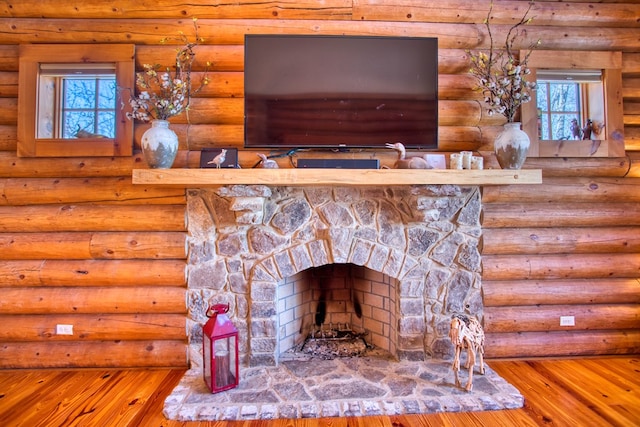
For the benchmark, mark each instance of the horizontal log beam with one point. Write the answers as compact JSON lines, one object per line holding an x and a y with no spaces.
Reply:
{"x":9,"y":57}
{"x":561,"y":343}
{"x":121,"y":9}
{"x":522,"y":319}
{"x":580,"y":166}
{"x":8,"y":84}
{"x":27,"y":191}
{"x":116,"y":218}
{"x":221,"y":58}
{"x":93,"y":327}
{"x":578,"y":190}
{"x":93,"y":300}
{"x":559,"y":214}
{"x":94,"y":354}
{"x":460,"y":11}
{"x":161,"y":245}
{"x":570,"y":266}
{"x":230,"y":32}
{"x":575,"y":240}
{"x":8,"y":140}
{"x":12,"y":166}
{"x":85,"y":245}
{"x":546,"y":291}
{"x":552,"y":14}
{"x":9,"y":111}
{"x":634,"y":170}
{"x":130,"y":273}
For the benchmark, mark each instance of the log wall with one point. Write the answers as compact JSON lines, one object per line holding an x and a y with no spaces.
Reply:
{"x":80,"y":245}
{"x":569,"y":250}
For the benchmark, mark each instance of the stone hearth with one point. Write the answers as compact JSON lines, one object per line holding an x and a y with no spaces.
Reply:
{"x":412,"y":252}
{"x":344,"y":387}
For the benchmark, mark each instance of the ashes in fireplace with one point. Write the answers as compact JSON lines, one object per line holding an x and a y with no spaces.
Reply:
{"x":328,"y":342}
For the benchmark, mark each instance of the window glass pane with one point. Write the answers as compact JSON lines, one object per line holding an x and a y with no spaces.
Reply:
{"x":79,"y":93}
{"x":558,"y":103}
{"x":107,"y":124}
{"x":106,"y":94}
{"x":86,"y":100}
{"x":545,"y":127}
{"x":564,"y":97}
{"x":561,"y":125}
{"x":77,"y":121}
{"x":541,"y":94}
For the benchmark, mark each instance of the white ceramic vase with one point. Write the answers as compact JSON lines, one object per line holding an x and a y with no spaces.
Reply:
{"x":159,"y":145}
{"x":511,"y":146}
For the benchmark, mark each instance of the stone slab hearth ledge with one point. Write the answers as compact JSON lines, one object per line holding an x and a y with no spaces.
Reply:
{"x":343,"y":387}
{"x":192,"y":178}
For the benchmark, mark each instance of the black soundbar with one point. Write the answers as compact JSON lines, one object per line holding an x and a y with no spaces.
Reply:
{"x":339,"y":163}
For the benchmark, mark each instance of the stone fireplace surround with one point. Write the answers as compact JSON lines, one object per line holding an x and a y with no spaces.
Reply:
{"x":414,"y":250}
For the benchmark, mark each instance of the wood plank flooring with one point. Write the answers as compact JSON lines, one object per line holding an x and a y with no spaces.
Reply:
{"x":603,"y":391}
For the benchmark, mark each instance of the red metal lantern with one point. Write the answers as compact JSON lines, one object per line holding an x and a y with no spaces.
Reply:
{"x":220,"y":350}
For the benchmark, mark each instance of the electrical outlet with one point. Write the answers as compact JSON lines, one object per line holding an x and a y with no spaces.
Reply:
{"x":567,"y":321}
{"x":64,"y":329}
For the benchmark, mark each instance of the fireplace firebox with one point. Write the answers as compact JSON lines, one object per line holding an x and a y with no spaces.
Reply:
{"x":337,"y":310}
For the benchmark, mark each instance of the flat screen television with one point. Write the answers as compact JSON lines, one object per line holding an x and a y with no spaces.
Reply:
{"x":340,"y":92}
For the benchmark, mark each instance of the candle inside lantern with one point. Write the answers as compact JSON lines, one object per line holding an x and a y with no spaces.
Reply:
{"x":223,"y":373}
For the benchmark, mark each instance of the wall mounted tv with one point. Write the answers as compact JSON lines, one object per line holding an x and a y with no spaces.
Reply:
{"x":340,"y":92}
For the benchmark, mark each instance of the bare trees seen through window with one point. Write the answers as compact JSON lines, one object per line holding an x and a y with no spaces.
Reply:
{"x":88,"y":107}
{"x":559,"y":106}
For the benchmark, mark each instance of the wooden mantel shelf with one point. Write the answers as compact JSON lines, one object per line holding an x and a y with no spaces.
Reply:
{"x":196,"y":178}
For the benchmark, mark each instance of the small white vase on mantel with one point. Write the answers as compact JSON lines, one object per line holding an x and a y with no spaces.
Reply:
{"x":159,"y":145}
{"x":511,"y":146}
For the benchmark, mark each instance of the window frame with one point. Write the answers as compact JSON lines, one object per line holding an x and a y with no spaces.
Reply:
{"x":610,"y":63}
{"x":31,"y":56}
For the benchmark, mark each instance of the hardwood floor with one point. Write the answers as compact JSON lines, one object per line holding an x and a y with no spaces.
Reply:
{"x":603,"y":391}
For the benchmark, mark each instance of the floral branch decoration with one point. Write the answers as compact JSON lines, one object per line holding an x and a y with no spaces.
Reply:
{"x":163,"y":94}
{"x":502,"y":78}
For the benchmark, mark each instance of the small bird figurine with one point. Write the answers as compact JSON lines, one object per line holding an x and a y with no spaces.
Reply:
{"x":219,"y":159}
{"x":597,"y":128}
{"x":596,"y":135}
{"x":587,"y":129}
{"x":403,"y":162}
{"x":576,"y":132}
{"x":267,"y":163}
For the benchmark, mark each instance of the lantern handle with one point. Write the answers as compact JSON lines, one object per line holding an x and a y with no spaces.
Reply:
{"x":217,"y":309}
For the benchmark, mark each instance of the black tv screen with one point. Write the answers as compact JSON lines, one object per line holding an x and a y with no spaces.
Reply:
{"x":340,"y":92}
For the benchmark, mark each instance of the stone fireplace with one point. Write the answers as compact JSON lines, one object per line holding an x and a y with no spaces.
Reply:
{"x":393,"y":263}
